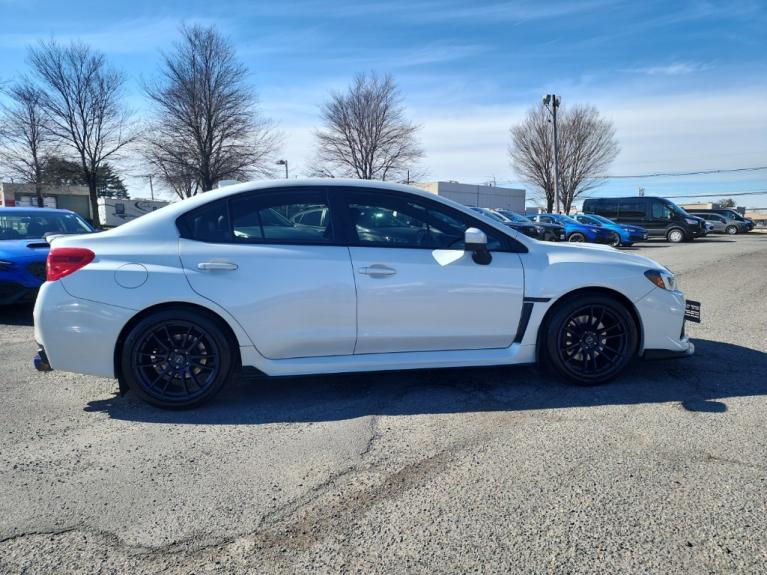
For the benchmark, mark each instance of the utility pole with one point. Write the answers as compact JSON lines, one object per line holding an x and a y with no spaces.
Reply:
{"x":151,"y":187}
{"x":554,"y":100}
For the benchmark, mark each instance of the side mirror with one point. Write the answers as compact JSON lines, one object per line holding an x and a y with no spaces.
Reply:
{"x":475,"y":241}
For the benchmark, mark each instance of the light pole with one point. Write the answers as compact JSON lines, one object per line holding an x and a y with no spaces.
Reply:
{"x":553,"y":100}
{"x":284,"y":163}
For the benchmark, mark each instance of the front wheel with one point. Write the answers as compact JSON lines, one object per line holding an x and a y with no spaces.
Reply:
{"x":732,"y":230}
{"x":176,"y":358}
{"x":675,"y":235}
{"x":576,"y":237}
{"x":589,"y":339}
{"x":615,"y":241}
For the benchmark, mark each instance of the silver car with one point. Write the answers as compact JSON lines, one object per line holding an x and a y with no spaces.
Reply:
{"x":721,"y":224}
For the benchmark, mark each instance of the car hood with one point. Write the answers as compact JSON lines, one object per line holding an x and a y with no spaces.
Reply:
{"x":12,"y":249}
{"x":583,"y":251}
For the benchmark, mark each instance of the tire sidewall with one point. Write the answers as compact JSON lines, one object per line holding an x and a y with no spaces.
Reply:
{"x":202,"y":321}
{"x":675,"y":232}
{"x":579,"y":238}
{"x":616,"y":240}
{"x":555,"y":324}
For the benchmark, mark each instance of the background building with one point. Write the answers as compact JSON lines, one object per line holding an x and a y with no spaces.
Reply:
{"x":66,"y":197}
{"x":481,"y":196}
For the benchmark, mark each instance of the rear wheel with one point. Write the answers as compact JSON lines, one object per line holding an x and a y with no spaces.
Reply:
{"x":675,"y":235}
{"x":177,"y":358}
{"x":576,"y":237}
{"x":590,"y":339}
{"x":732,"y":230}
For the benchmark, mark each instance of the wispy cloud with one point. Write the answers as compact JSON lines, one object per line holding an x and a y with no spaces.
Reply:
{"x":672,"y":69}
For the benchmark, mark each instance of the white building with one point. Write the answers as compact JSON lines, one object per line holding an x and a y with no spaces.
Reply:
{"x":482,"y":196}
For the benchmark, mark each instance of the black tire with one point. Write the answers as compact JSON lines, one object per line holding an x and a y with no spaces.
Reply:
{"x":589,"y":339}
{"x":549,"y":237}
{"x":675,"y":235}
{"x":576,"y":238}
{"x":732,"y":230}
{"x":177,"y":358}
{"x":616,"y":240}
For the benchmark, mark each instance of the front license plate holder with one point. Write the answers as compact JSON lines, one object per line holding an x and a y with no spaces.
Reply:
{"x":692,"y":311}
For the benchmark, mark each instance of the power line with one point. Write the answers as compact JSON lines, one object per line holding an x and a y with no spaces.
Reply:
{"x":718,"y":195}
{"x":696,"y":173}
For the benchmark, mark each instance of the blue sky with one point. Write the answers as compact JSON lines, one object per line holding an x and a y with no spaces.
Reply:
{"x":684,"y":82}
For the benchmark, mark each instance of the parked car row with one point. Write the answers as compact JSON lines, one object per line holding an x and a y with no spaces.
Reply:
{"x":663,"y":218}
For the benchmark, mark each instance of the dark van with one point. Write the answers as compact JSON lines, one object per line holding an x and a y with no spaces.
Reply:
{"x":659,"y":216}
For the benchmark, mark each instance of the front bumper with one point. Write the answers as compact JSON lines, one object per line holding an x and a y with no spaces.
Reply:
{"x":13,"y":292}
{"x":669,"y":354}
{"x":662,"y":315}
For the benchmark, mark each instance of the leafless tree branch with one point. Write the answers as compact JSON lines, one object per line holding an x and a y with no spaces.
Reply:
{"x":365,"y":133}
{"x":206,"y":125}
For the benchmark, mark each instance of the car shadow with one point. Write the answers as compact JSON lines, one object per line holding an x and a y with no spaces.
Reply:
{"x":16,"y":314}
{"x":699,"y":384}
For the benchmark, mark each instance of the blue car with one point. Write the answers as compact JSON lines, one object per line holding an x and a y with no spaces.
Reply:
{"x":576,"y":231}
{"x":24,"y":250}
{"x":623,"y":234}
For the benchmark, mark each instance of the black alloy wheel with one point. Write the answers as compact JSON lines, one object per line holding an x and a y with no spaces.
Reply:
{"x":176,"y":358}
{"x":589,"y":340}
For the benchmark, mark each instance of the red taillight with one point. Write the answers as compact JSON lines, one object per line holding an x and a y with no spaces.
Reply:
{"x":65,"y":261}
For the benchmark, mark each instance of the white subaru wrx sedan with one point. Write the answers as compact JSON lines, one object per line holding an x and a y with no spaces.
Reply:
{"x":328,"y":276}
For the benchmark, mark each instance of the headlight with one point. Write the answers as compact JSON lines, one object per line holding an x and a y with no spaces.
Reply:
{"x":691,"y":222}
{"x":539,"y":229}
{"x":661,"y":278}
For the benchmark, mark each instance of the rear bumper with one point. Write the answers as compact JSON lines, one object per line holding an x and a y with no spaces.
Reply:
{"x":76,"y":334}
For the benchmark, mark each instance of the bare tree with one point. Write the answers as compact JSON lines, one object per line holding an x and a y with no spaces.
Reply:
{"x":532,"y":152}
{"x":587,"y":147}
{"x":82,"y":97}
{"x":206,"y":126}
{"x":365,"y":133}
{"x":25,"y":136}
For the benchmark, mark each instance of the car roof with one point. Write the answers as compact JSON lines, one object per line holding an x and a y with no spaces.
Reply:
{"x":154,"y":222}
{"x":8,"y":209}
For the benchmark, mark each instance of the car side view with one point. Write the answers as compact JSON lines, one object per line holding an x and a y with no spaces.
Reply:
{"x":172,"y":304}
{"x":576,"y":231}
{"x":623,"y":235}
{"x":547,"y":231}
{"x":721,"y":224}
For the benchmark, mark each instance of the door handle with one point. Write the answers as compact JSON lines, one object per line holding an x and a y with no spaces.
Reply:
{"x":377,"y":271}
{"x":217,"y":266}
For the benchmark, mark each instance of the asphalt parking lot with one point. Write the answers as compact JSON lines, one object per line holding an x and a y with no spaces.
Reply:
{"x":472,"y":470}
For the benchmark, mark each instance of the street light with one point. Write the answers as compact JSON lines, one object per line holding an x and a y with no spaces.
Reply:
{"x":284,"y":163}
{"x":553,"y":101}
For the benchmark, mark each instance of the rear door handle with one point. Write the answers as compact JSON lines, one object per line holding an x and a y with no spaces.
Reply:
{"x":377,"y":271}
{"x":217,"y":266}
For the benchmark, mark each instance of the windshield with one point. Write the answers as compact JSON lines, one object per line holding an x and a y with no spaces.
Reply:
{"x":591,"y":220}
{"x":31,"y":225}
{"x":676,"y":209}
{"x":600,"y":219}
{"x":516,"y":217}
{"x":565,"y":219}
{"x":491,"y":214}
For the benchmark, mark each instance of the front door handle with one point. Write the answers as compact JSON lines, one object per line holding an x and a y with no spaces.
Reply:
{"x":217,"y":266}
{"x":377,"y":271}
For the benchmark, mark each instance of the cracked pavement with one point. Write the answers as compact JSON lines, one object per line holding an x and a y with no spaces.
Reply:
{"x":497,"y":470}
